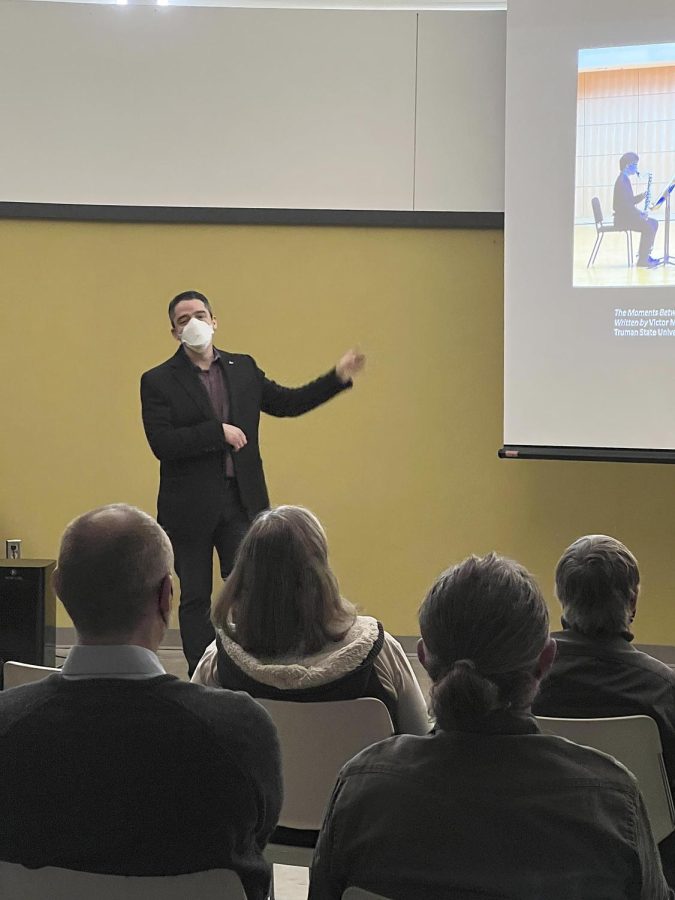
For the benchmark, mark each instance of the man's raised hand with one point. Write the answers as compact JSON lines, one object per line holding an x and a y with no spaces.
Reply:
{"x":349,"y":365}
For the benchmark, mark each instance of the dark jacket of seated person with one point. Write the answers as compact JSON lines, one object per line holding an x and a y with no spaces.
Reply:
{"x":596,"y":677}
{"x":113,"y":766}
{"x":597,"y":672}
{"x":486,"y":807}
{"x":284,"y":632}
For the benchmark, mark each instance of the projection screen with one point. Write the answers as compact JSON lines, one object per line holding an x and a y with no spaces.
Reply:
{"x":590,"y":264}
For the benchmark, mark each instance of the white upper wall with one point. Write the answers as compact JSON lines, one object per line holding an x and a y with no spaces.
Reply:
{"x":459,"y":156}
{"x":257,"y":108}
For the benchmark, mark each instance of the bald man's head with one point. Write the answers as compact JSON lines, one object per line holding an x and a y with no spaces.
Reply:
{"x":112,"y":563}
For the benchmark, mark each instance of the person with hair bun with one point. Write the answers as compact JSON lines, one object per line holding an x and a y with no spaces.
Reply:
{"x":486,"y":807}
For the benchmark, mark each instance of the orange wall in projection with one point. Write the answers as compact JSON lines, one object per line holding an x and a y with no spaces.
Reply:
{"x":621,"y":110}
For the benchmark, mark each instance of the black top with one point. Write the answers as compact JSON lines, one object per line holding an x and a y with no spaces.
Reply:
{"x":625,"y":210}
{"x":360,"y":682}
{"x":598,"y":677}
{"x":504,"y":814}
{"x":137,"y":777}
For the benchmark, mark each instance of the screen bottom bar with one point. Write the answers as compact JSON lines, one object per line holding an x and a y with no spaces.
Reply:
{"x":589,"y":454}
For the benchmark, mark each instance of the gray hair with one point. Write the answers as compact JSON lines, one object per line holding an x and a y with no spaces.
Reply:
{"x":597,"y":580}
{"x":111,"y":563}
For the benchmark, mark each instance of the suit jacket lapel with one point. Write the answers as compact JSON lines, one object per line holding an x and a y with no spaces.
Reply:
{"x":229,"y":374}
{"x":188,"y":378}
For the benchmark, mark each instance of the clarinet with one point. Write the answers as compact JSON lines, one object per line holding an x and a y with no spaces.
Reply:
{"x":648,"y":192}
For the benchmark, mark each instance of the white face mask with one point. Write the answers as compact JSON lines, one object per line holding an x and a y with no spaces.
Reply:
{"x":197,"y":335}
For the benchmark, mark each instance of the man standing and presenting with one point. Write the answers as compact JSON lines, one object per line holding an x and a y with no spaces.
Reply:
{"x":627,"y":216}
{"x":201,"y":411}
{"x":112,"y":765}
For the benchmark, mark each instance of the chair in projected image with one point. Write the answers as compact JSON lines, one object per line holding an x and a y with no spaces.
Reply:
{"x":602,"y":228}
{"x":635,"y":742}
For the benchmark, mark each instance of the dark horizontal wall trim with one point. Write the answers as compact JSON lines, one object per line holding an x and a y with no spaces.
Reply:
{"x":206,"y":215}
{"x":66,"y":637}
{"x":588,"y":454}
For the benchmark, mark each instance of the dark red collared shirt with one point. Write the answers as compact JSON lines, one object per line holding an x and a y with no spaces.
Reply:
{"x":215,"y":386}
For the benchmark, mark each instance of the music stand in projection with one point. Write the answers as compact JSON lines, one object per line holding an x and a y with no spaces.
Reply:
{"x":667,"y":260}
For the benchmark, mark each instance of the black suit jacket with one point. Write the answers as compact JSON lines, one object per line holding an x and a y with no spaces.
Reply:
{"x":187,"y":437}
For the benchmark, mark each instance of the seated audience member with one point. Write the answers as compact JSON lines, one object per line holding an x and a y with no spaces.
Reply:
{"x":284,"y":632}
{"x":486,"y":806}
{"x":597,"y":672}
{"x":112,"y":765}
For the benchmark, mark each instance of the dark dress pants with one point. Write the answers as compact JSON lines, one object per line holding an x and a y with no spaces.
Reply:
{"x":193,"y":560}
{"x":646,"y":227}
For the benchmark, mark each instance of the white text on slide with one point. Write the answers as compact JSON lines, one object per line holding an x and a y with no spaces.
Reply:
{"x":650,"y":323}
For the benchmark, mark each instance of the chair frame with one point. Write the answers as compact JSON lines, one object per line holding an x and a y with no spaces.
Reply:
{"x":601,"y":229}
{"x":65,"y":884}
{"x":15,"y":673}
{"x":357,"y":893}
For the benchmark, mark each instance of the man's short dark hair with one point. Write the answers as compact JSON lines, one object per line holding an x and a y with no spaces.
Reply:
{"x":188,"y":295}
{"x":112,"y":562}
{"x":597,"y":580}
{"x":627,"y":159}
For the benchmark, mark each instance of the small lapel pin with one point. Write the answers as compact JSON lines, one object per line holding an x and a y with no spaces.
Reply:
{"x":231,"y":362}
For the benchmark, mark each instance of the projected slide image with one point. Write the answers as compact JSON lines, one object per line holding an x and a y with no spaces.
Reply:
{"x":625,"y":167}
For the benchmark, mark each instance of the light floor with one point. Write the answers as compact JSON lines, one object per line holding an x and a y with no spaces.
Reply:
{"x":290,"y":882}
{"x":611,"y":266}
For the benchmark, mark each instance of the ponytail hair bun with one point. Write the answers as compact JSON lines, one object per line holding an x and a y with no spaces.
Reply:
{"x":484,"y":624}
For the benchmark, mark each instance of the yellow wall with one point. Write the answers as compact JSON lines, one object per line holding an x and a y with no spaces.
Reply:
{"x":403,"y":471}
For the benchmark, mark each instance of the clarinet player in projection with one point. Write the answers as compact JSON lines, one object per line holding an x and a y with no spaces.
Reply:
{"x":626,"y":214}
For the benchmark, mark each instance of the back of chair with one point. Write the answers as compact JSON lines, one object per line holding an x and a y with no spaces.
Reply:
{"x":355,"y":893}
{"x":316,"y":740}
{"x":449,"y":893}
{"x":63,"y":884}
{"x":16,"y":673}
{"x":597,"y":210}
{"x":635,"y":742}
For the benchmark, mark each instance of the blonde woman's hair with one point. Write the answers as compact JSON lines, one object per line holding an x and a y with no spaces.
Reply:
{"x":282,"y":595}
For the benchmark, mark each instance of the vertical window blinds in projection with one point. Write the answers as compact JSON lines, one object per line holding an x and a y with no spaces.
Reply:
{"x":590,"y":241}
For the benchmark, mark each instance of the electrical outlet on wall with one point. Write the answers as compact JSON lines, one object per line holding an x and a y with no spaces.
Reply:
{"x":13,"y":549}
